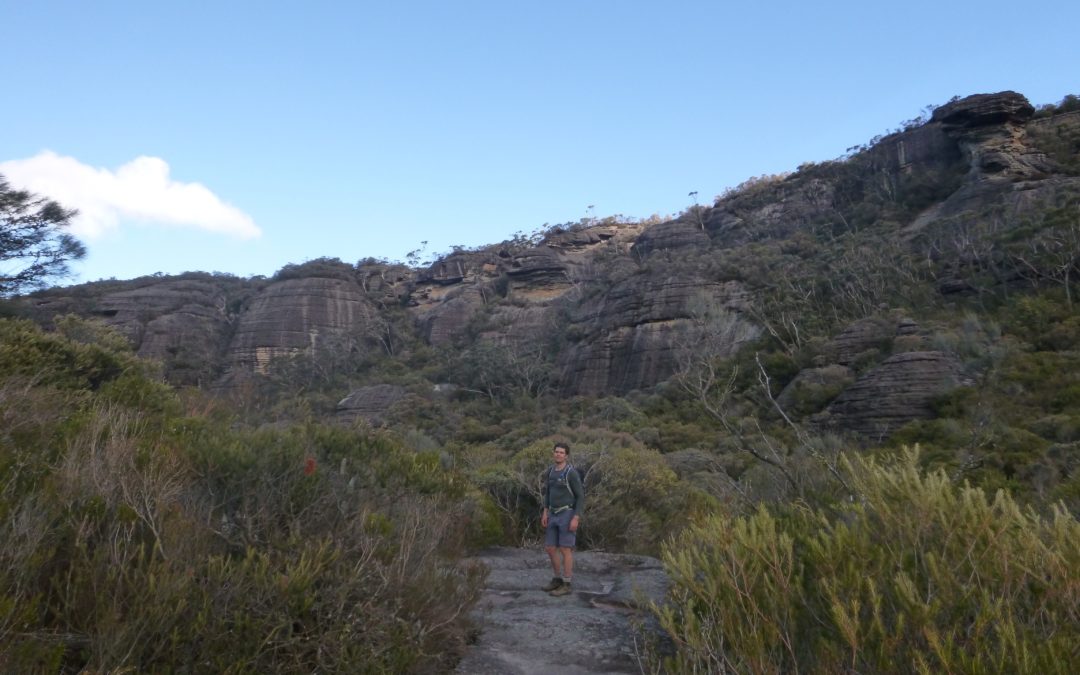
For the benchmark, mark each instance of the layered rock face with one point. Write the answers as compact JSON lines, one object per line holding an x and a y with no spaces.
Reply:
{"x":990,"y":131}
{"x":899,"y":390}
{"x":632,"y":335}
{"x":674,"y":234}
{"x":183,"y":323}
{"x":866,"y":337}
{"x":299,"y":314}
{"x":615,"y":305}
{"x":371,"y":404}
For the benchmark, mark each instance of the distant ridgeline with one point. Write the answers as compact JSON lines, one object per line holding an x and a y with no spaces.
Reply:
{"x":849,"y":269}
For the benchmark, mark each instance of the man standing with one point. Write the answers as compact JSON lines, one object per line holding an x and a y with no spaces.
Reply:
{"x":564,"y":499}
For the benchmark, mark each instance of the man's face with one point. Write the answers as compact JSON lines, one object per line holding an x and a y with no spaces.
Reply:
{"x":559,"y":454}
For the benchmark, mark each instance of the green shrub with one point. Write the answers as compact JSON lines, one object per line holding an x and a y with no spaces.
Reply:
{"x":633,"y":501}
{"x":138,"y":540}
{"x":252,"y":553}
{"x":916,"y":575}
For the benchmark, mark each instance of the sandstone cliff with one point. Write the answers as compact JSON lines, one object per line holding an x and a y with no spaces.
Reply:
{"x":614,"y":303}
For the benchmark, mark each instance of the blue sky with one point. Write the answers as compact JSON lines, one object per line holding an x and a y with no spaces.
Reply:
{"x":282,"y":132}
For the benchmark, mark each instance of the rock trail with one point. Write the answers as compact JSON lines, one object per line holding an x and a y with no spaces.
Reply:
{"x":525,"y":631}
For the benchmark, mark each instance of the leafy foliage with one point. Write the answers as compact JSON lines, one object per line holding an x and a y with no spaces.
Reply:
{"x":142,"y":537}
{"x":34,"y":245}
{"x":633,"y":500}
{"x":916,"y":575}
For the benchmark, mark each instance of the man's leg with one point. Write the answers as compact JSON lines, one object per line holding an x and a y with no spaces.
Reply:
{"x":556,"y":559}
{"x":567,"y":555}
{"x":568,"y":563}
{"x":551,"y":545}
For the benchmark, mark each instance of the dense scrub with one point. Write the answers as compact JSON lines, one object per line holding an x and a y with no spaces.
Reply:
{"x":144,"y":531}
{"x":914,"y":574}
{"x":634,"y":501}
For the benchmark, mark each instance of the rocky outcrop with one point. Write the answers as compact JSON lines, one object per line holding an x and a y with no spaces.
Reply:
{"x":863,"y":336}
{"x":866,"y":338}
{"x":385,"y":284}
{"x":615,"y":304}
{"x":538,"y":268}
{"x":525,"y":631}
{"x":631,"y":335}
{"x":371,"y":404}
{"x":459,"y":266}
{"x":671,"y":235}
{"x":982,"y":110}
{"x":623,"y":359}
{"x":925,"y":147}
{"x":441,"y":322}
{"x":188,"y":342}
{"x":894,"y":393}
{"x":644,"y":299}
{"x":301,"y":314}
{"x":775,"y":209}
{"x":990,"y":131}
{"x":582,"y":239}
{"x":184,"y":323}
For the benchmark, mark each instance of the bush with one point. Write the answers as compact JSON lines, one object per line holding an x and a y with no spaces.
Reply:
{"x":256,"y":553}
{"x":633,"y":501}
{"x":917,"y":575}
{"x":138,"y":540}
{"x":329,"y":268}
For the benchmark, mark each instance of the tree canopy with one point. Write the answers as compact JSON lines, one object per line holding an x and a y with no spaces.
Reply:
{"x":34,"y":244}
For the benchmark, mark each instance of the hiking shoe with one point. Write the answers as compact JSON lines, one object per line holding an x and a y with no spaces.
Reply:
{"x":553,"y":584}
{"x":563,"y":589}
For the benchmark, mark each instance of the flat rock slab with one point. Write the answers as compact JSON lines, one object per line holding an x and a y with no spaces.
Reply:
{"x":525,"y":631}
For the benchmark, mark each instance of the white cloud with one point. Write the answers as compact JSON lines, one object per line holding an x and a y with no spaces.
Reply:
{"x":140,"y":190}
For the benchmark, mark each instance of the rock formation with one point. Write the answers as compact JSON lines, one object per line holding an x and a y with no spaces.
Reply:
{"x":298,"y":314}
{"x":901,"y":389}
{"x":371,"y":404}
{"x":612,"y":305}
{"x":989,"y":129}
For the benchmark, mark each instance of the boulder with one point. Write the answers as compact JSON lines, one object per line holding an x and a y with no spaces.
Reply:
{"x":188,"y":341}
{"x":371,"y":403}
{"x":894,"y":393}
{"x":183,"y":323}
{"x":622,"y":359}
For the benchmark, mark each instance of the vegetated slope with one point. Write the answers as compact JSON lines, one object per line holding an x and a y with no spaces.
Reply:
{"x":148,"y":531}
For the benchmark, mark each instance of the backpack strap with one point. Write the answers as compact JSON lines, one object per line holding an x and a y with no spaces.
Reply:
{"x":547,"y":477}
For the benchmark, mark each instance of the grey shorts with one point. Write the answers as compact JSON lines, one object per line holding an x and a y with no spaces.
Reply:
{"x":558,"y":530}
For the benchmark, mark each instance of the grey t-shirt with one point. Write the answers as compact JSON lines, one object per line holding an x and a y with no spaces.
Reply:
{"x":564,"y":488}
